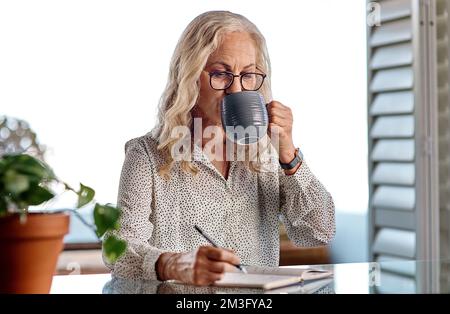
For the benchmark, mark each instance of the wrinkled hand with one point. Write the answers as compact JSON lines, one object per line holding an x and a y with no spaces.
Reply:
{"x":202,"y":266}
{"x":280,"y":124}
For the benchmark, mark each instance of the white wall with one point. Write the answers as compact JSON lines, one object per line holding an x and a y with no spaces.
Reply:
{"x":87,"y":75}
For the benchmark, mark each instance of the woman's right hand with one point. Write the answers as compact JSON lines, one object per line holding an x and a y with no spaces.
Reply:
{"x":202,"y":266}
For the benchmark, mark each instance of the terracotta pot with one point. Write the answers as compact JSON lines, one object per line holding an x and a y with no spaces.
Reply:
{"x":29,"y":251}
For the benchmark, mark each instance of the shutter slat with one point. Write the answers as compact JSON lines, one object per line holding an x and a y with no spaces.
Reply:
{"x":391,"y":32}
{"x":394,"y":9}
{"x":445,"y":220}
{"x":441,"y":6}
{"x":443,"y":97}
{"x":398,"y":265}
{"x":394,"y":173}
{"x":395,"y":218}
{"x":443,"y":48}
{"x":443,"y":69}
{"x":392,"y":79}
{"x":394,"y":126}
{"x":393,"y":103}
{"x":395,"y":242}
{"x":441,"y":23}
{"x":392,"y":56}
{"x":393,"y":197}
{"x":393,"y":150}
{"x":393,"y":283}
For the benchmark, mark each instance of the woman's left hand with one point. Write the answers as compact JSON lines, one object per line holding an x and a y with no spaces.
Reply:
{"x":280,"y":124}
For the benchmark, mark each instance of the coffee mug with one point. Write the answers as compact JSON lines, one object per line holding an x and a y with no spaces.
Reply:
{"x":244,"y":117}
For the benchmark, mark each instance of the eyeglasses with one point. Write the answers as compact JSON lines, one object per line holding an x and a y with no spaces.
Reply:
{"x":223,"y":80}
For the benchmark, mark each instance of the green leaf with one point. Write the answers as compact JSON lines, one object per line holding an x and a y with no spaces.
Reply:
{"x":28,"y":165}
{"x":85,"y":195}
{"x":36,"y":195}
{"x":106,"y":218}
{"x":113,"y":248}
{"x":16,"y":183}
{"x":3,"y":165}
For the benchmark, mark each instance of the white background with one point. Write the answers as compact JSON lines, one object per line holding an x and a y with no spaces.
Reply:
{"x":87,"y":76}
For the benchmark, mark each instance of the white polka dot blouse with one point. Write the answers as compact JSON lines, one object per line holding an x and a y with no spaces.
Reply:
{"x":242,"y":212}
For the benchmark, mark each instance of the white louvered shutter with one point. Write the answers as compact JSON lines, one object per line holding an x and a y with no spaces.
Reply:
{"x":405,"y":72}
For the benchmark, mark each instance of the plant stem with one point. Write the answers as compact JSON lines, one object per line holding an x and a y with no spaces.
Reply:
{"x":68,"y":187}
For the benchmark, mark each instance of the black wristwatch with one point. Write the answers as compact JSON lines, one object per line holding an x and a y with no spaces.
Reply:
{"x":297,"y":159}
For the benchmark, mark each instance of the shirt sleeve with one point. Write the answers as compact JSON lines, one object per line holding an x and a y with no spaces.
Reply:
{"x":134,"y":199}
{"x":307,"y":208}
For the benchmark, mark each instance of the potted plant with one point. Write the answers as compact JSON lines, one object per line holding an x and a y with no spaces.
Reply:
{"x":31,"y":241}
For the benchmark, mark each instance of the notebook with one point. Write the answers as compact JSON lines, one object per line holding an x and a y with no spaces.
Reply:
{"x":271,"y":277}
{"x":265,"y":281}
{"x":306,"y":287}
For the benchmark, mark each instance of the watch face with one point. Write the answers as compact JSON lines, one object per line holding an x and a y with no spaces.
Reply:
{"x":298,"y":158}
{"x":300,"y":153}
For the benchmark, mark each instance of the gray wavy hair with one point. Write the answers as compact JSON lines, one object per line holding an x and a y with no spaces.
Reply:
{"x":199,"y":40}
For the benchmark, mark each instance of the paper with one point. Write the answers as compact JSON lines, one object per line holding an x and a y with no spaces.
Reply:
{"x":307,"y":287}
{"x":270,"y":277}
{"x":264,"y":281}
{"x":306,"y":273}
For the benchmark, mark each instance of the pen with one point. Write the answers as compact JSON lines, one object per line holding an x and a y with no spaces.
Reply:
{"x":208,"y":238}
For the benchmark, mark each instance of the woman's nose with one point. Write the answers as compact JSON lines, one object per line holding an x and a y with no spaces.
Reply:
{"x":235,"y":87}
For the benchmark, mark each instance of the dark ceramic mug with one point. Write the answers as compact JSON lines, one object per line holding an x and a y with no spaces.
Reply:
{"x":244,"y":117}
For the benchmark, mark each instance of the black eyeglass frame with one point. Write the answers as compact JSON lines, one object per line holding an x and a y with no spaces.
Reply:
{"x":232,"y":80}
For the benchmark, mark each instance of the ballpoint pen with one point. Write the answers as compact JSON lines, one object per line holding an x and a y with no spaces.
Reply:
{"x":208,"y":238}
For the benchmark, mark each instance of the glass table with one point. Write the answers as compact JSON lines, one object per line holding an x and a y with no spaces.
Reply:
{"x":354,"y":278}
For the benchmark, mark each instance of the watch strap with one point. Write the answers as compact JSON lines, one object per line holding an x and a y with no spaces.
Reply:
{"x":297,"y":159}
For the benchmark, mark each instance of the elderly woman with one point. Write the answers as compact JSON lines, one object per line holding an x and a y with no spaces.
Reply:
{"x":235,"y":202}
